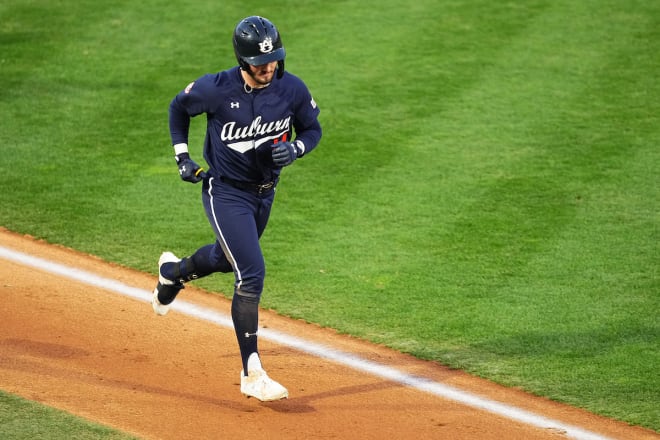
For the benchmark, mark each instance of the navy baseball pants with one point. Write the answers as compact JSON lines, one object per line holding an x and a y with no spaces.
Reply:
{"x":238,"y":218}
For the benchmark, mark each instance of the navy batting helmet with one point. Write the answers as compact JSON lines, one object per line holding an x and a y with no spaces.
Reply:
{"x":257,"y":42}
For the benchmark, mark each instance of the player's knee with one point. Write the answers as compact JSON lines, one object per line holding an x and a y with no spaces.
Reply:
{"x":251,"y":278}
{"x":250,"y":288}
{"x":247,"y":296}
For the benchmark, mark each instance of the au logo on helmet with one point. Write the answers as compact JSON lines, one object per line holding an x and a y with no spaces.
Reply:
{"x":266,"y":46}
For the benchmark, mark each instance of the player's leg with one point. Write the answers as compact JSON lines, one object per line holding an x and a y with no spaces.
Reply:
{"x":173,"y":272}
{"x":242,"y":236}
{"x":204,"y":261}
{"x":239,"y":219}
{"x":233,"y":215}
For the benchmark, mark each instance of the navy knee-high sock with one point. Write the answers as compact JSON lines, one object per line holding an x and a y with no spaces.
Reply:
{"x":245,"y":314}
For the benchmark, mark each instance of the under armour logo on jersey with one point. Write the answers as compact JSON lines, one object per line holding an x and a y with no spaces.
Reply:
{"x":266,"y":46}
{"x":234,"y":105}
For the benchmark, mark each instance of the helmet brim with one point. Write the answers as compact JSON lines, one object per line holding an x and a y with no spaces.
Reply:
{"x":259,"y":60}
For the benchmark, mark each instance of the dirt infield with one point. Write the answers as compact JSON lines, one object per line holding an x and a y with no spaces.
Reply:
{"x":107,"y":357}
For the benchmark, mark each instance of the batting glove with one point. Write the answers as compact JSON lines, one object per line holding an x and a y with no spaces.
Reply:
{"x":188,"y":169}
{"x":284,"y":154}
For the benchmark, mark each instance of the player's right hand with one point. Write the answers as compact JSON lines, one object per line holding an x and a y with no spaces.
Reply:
{"x":188,"y":169}
{"x":284,"y":154}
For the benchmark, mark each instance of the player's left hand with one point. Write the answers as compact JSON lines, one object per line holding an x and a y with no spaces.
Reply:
{"x":284,"y":154}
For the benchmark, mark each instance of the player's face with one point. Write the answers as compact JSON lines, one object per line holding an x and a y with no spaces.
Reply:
{"x":263,"y":74}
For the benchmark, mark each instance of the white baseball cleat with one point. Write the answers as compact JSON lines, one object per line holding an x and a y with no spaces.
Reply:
{"x":166,"y":257}
{"x":257,"y":383}
{"x":159,"y":309}
{"x":164,"y":283}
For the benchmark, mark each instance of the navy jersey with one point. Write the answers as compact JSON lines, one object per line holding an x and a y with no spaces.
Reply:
{"x":242,"y":126}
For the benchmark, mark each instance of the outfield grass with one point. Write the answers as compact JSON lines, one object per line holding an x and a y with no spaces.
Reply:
{"x":485,"y":195}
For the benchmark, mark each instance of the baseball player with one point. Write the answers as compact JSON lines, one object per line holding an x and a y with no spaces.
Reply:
{"x":252,"y":112}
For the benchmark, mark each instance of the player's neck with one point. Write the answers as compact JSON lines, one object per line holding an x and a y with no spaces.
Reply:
{"x":249,"y":83}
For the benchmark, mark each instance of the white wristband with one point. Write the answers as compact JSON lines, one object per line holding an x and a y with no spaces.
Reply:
{"x":180,"y":148}
{"x":301,"y":147}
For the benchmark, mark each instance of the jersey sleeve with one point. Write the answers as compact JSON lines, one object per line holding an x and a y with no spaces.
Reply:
{"x":189,"y":103}
{"x":306,"y":123}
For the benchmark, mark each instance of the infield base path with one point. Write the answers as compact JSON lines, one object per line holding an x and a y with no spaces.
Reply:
{"x":109,"y":359}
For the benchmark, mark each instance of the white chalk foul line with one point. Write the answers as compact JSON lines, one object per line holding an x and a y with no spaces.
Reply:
{"x":343,"y":358}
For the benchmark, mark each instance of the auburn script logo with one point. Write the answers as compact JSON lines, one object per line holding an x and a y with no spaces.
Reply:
{"x":251,"y":136}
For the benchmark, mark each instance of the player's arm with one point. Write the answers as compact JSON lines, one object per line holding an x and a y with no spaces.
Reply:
{"x":307,"y":137}
{"x":307,"y":128}
{"x":184,"y":106}
{"x":305,"y":121}
{"x":190,"y":102}
{"x":284,"y":153}
{"x":179,"y":122}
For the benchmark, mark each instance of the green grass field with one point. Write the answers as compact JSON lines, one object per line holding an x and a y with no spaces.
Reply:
{"x":486,"y":193}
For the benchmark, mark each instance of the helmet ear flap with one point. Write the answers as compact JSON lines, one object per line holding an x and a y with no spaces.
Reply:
{"x":243,"y":65}
{"x":241,"y":62}
{"x":280,"y":69}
